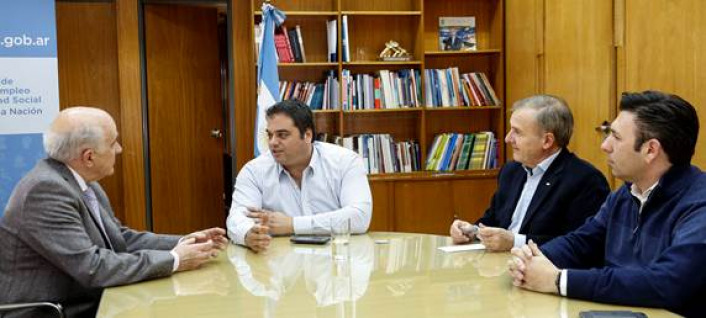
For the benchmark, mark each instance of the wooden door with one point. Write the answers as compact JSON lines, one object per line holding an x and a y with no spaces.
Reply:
{"x":665,"y":49}
{"x":184,"y":106}
{"x":565,"y":48}
{"x":579,"y":66}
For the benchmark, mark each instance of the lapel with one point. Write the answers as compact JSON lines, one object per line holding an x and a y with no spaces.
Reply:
{"x":546,"y":186}
{"x":65,"y":173}
{"x":112,"y":231}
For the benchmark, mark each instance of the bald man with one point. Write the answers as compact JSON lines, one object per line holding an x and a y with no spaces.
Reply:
{"x":59,"y":239}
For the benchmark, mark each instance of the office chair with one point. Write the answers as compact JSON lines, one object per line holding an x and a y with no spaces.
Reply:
{"x":56,"y":308}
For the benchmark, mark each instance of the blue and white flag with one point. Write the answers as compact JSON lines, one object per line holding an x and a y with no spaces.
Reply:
{"x":267,"y":76}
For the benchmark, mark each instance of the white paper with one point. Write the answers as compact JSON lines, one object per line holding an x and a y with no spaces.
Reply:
{"x":461,"y":248}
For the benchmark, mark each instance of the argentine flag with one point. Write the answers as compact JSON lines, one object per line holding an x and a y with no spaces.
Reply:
{"x":267,"y":76}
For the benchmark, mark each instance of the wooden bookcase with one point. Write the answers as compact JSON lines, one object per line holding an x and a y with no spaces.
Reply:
{"x":422,"y":201}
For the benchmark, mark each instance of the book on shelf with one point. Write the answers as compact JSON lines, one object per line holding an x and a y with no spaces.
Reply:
{"x":289,"y":44}
{"x":457,"y":151}
{"x":457,"y":33}
{"x":345,"y":45}
{"x":448,"y":88}
{"x":300,"y":44}
{"x":332,"y":40}
{"x":294,"y":44}
{"x":382,"y":154}
{"x":383,"y":89}
{"x":317,"y":95}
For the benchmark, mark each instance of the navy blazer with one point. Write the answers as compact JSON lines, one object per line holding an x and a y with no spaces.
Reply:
{"x":570,"y":191}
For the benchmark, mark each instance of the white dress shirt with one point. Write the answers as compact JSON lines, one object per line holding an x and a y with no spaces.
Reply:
{"x":334,"y":186}
{"x":534,"y":175}
{"x":82,"y":184}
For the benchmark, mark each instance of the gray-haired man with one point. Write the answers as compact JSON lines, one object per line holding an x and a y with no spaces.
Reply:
{"x":546,"y":191}
{"x":59,"y":238}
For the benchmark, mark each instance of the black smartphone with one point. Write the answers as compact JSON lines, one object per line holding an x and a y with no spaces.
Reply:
{"x":309,"y":239}
{"x":611,"y":314}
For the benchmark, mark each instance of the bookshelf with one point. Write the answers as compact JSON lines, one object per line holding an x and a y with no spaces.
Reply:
{"x":422,"y":201}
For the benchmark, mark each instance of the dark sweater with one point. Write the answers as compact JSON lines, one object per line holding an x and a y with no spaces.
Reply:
{"x":656,"y":258}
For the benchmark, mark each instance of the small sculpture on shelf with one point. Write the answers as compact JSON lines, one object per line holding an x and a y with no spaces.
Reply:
{"x":394,"y":52}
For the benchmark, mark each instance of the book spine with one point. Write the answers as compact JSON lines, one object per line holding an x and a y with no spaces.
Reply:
{"x":344,"y":39}
{"x":288,"y":43}
{"x":301,"y":43}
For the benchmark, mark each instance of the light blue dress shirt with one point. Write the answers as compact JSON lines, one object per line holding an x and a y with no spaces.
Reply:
{"x":333,"y":187}
{"x":533,"y":177}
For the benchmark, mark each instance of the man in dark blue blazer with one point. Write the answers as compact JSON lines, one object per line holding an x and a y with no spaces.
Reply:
{"x":547,"y":191}
{"x":647,"y":244}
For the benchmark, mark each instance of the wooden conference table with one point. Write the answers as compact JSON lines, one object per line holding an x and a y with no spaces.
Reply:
{"x":384,"y":275}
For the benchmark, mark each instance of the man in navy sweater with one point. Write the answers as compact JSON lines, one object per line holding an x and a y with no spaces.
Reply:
{"x":647,"y":244}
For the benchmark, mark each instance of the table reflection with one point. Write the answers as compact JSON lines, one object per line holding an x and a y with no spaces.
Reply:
{"x":329,"y":281}
{"x":382,"y":275}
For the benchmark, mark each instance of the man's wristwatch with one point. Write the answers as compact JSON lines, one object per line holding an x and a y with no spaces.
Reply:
{"x":557,"y":282}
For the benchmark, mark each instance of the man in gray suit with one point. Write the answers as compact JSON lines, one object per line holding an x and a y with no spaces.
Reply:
{"x":59,"y":239}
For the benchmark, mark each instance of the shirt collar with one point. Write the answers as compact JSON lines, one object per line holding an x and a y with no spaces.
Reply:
{"x":81,"y":183}
{"x":542,"y":166}
{"x":642,"y":197}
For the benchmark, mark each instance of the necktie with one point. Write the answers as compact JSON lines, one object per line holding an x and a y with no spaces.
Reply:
{"x":90,"y":197}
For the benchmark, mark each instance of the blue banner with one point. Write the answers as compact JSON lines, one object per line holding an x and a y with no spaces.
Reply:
{"x":29,"y":86}
{"x":267,"y":74}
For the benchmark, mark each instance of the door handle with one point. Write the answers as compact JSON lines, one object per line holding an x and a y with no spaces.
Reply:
{"x":216,"y":133}
{"x":604,"y":127}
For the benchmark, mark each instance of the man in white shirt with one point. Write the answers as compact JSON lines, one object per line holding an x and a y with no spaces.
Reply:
{"x":299,"y":186}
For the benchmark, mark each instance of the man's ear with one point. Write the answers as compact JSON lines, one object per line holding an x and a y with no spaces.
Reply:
{"x":651,"y":149}
{"x":309,"y":136}
{"x":549,"y":141}
{"x":87,"y":157}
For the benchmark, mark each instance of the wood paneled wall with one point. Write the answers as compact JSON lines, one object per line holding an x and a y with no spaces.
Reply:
{"x":665,"y":49}
{"x":99,"y":65}
{"x":88,"y":70}
{"x":244,"y":80}
{"x":565,"y":48}
{"x":589,"y":51}
{"x":130,"y":80}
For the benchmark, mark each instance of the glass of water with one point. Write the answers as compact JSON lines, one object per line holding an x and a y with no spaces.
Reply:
{"x":340,"y":231}
{"x":340,"y":235}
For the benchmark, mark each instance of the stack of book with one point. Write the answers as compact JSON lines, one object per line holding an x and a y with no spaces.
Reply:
{"x":316,"y":95}
{"x":383,"y":90}
{"x":289,"y":45}
{"x":456,"y":151}
{"x":448,"y":88}
{"x":381,"y":154}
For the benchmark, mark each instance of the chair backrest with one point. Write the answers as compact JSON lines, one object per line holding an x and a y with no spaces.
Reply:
{"x":52,"y":307}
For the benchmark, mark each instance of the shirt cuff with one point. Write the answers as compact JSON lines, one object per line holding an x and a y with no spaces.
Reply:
{"x":240,"y":231}
{"x":303,"y":224}
{"x":176,"y":260}
{"x":563,"y":282}
{"x":520,"y":240}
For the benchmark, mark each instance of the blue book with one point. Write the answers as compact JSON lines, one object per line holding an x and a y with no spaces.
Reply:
{"x":446,"y":159}
{"x":317,"y":100}
{"x":437,"y":89}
